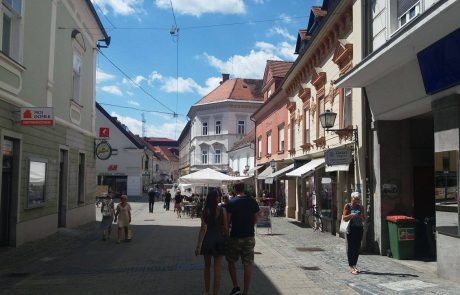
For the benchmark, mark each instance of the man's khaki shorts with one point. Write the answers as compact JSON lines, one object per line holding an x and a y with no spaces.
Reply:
{"x":240,"y":247}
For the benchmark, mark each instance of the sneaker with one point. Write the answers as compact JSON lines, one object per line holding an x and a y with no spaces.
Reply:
{"x":235,"y":291}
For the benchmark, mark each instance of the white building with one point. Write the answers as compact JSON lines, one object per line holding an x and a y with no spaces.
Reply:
{"x":241,"y":156}
{"x":131,"y":164}
{"x":220,"y":119}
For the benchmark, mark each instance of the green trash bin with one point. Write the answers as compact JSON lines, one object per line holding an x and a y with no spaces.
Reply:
{"x":401,"y":230}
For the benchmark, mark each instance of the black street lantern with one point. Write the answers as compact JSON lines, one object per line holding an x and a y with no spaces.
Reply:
{"x":327,"y":119}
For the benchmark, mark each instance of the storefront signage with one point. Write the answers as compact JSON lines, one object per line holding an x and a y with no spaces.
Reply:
{"x":37,"y":116}
{"x":406,"y":234}
{"x":338,"y":157}
{"x":263,"y":219}
{"x":104,"y":132}
{"x":103,"y":150}
{"x":7,"y":148}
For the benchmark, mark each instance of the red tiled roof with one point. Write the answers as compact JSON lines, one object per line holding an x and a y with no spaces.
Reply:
{"x":279,"y":68}
{"x":247,"y":139}
{"x":165,"y":153}
{"x":235,"y":89}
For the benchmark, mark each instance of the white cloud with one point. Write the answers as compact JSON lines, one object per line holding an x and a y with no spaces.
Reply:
{"x":286,"y":18}
{"x":169,"y":129}
{"x":134,"y":103}
{"x":253,"y":64}
{"x":129,"y":93}
{"x":188,"y":85}
{"x":121,"y":7}
{"x":154,"y":76}
{"x":102,"y":76}
{"x":112,"y":89}
{"x":199,"y":7}
{"x":136,"y":80}
{"x":282,"y":32}
{"x":258,"y":1}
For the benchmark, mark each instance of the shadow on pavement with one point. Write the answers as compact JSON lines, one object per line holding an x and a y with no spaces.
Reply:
{"x":402,"y":275}
{"x":159,"y":260}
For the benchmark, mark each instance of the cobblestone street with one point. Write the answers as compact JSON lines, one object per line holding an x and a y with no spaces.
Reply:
{"x":160,"y":260}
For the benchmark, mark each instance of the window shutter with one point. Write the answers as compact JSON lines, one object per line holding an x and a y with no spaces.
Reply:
{"x":404,"y":5}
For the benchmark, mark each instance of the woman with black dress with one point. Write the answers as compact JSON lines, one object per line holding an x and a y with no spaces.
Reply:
{"x":353,"y":212}
{"x":211,"y":239}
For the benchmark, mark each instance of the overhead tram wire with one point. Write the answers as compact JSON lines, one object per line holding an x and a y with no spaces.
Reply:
{"x":105,"y":16}
{"x":140,"y":110}
{"x":136,"y":84}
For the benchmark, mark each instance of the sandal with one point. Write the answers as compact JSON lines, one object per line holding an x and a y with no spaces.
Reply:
{"x":354,"y":272}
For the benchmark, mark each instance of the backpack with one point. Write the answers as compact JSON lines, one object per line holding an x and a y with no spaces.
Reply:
{"x":106,"y":209}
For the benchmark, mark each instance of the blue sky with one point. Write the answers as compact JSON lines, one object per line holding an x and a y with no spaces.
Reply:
{"x":215,"y":37}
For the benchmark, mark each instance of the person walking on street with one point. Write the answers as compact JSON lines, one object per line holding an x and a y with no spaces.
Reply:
{"x":167,"y":200}
{"x":123,"y":215}
{"x":242,"y":214}
{"x":353,"y":212}
{"x":108,"y":211}
{"x":211,"y":240}
{"x":178,"y":203}
{"x":151,"y":192}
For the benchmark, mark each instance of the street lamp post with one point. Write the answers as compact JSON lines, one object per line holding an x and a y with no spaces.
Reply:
{"x":327,"y":120}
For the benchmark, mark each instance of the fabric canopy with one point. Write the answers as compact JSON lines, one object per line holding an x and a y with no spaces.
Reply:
{"x":309,"y":167}
{"x":281,"y":172}
{"x":208,"y":176}
{"x":262,"y":175}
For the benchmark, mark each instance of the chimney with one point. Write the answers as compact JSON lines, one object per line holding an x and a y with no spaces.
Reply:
{"x":225,"y":77}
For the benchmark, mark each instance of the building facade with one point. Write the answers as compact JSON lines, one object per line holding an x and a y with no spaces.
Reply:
{"x":184,"y":150}
{"x":48,"y":172}
{"x":325,"y":51}
{"x":219,"y":120}
{"x":411,"y":77}
{"x":131,"y":165}
{"x":271,"y":121}
{"x":241,"y":155}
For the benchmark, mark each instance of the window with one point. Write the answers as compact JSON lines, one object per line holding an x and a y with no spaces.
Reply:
{"x":307,"y":126}
{"x":204,"y":157}
{"x":81,"y":178}
{"x":76,"y":76}
{"x":406,"y":15}
{"x":320,"y":111}
{"x":157,"y":167}
{"x":11,"y":18}
{"x":259,"y":147}
{"x":218,"y":124}
{"x":281,"y":138}
{"x":241,"y":127}
{"x":205,"y":128}
{"x":217,"y":157}
{"x":292,"y":133}
{"x":37,"y":183}
{"x":346,"y":115}
{"x":269,"y":143}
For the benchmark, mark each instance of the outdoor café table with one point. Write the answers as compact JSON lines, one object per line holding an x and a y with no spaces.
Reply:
{"x":190,"y":209}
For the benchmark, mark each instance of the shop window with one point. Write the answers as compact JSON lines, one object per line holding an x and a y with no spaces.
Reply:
{"x":446,"y":176}
{"x":36,"y":187}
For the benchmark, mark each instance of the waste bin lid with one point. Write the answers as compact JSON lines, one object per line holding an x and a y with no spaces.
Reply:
{"x":396,"y":218}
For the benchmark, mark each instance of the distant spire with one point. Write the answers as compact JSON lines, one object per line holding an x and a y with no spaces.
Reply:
{"x":143,"y":125}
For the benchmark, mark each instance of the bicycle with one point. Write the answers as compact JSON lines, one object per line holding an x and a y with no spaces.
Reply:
{"x":314,"y":219}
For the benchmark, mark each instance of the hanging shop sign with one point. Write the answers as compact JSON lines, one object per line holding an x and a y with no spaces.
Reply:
{"x":338,"y":157}
{"x":103,"y":150}
{"x":104,"y":132}
{"x":41,"y":116}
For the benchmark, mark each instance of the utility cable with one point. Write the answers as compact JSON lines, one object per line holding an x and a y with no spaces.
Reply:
{"x":140,"y":110}
{"x":134,"y":83}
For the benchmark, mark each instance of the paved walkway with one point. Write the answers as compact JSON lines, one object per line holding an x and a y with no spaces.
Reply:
{"x":160,"y":260}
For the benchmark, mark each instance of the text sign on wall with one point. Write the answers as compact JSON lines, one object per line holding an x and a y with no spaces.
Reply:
{"x":338,"y":157}
{"x":40,"y":116}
